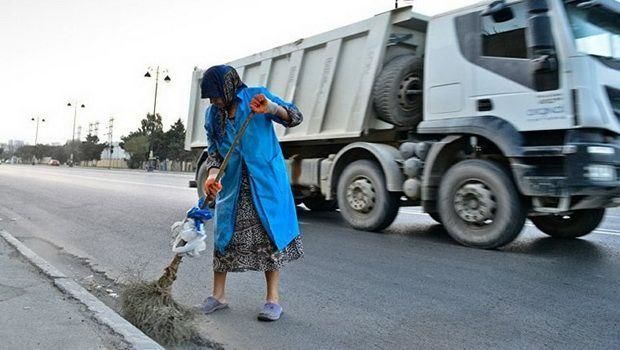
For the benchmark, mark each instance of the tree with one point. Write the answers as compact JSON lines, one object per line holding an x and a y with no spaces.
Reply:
{"x":153,"y":128}
{"x":137,"y":145}
{"x":60,"y":153}
{"x":150,"y":136}
{"x":73,"y":147}
{"x":175,"y":142}
{"x":25,"y":153}
{"x":91,"y":148}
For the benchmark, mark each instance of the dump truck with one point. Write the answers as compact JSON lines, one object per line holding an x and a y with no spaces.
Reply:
{"x":484,"y":116}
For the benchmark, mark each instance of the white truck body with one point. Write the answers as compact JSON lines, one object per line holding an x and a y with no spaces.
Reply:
{"x":520,"y":97}
{"x":328,"y":76}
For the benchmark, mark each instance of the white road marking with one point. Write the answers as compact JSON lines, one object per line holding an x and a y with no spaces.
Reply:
{"x":421,"y":212}
{"x":99,"y":179}
{"x":137,"y":172}
{"x":130,"y":182}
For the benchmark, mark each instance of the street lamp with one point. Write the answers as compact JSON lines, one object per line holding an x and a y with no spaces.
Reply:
{"x":36,"y":136}
{"x":166,"y":80}
{"x":75,"y":107}
{"x":405,"y":1}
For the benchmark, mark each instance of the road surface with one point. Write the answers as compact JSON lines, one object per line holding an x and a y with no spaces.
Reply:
{"x":410,"y":287}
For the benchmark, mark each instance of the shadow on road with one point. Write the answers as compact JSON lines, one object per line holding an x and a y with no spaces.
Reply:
{"x":427,"y":231}
{"x":566,"y":249}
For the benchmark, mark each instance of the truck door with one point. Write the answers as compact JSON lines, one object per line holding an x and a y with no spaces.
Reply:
{"x":505,"y":84}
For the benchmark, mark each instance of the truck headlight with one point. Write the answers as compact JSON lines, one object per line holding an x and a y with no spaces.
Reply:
{"x":600,"y":172}
{"x":601,"y":150}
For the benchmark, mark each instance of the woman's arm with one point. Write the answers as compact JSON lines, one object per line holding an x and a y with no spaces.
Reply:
{"x":214,"y":159}
{"x":290,"y":115}
{"x":280,"y":111}
{"x":213,"y":164}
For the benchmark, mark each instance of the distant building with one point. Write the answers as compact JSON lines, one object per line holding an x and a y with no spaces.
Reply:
{"x":118,"y":153}
{"x":14,"y":145}
{"x":118,"y":159}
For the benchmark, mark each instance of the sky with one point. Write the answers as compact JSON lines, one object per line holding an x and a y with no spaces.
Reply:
{"x":96,"y":53}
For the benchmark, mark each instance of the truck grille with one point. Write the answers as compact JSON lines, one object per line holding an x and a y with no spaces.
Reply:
{"x":614,"y":99}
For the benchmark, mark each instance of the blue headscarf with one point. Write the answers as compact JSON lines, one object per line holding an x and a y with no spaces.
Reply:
{"x":221,"y":81}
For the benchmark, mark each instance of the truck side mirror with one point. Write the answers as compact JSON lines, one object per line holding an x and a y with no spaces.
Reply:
{"x":541,"y":46}
{"x":499,"y":11}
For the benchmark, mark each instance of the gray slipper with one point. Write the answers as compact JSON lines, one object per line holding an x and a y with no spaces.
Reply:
{"x":270,"y":312}
{"x":211,"y":305}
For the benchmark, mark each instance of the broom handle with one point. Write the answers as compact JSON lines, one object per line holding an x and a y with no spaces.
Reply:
{"x":170,"y":273}
{"x":229,"y":154}
{"x":236,"y":141}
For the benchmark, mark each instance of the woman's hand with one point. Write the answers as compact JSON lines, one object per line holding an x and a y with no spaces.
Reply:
{"x":262,"y":105}
{"x":212,"y":187}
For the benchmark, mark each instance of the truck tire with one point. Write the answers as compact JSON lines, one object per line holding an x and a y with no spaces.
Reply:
{"x":200,"y":180}
{"x":576,"y":224}
{"x":363,"y":198}
{"x":318,"y":203}
{"x":480,"y":205}
{"x":397,"y":93}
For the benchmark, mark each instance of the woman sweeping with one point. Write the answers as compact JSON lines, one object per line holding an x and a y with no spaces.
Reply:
{"x":255,"y":222}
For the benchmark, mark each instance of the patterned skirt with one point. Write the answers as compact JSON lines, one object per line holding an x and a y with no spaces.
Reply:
{"x":250,"y":248}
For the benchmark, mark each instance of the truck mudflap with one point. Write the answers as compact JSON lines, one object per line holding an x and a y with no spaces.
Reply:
{"x":581,"y":169}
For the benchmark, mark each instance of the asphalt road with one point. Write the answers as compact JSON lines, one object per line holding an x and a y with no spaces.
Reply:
{"x":410,"y":287}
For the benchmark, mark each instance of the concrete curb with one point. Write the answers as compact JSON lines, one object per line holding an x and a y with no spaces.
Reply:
{"x":102,"y":313}
{"x":36,"y":260}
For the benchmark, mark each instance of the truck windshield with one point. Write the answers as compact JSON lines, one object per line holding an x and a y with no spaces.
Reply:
{"x":596,"y":29}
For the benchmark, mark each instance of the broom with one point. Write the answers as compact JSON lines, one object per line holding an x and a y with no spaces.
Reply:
{"x":150,"y":306}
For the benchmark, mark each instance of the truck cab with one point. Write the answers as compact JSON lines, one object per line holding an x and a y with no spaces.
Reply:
{"x":529,"y":87}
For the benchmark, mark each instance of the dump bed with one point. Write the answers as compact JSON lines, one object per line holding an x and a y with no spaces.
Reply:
{"x":329,"y":76}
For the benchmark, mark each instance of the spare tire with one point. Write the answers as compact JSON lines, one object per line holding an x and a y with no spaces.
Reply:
{"x":397,"y":93}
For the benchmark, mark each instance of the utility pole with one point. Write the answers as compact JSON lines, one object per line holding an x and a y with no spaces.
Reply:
{"x":110,"y":140}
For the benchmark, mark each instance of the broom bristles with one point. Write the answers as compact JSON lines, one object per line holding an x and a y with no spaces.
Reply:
{"x":150,"y":307}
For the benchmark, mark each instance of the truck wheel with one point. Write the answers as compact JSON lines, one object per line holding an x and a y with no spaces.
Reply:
{"x":397,"y":92}
{"x":479,"y":204}
{"x":318,"y":203}
{"x":363,"y":199}
{"x":576,"y":224}
{"x":200,"y":180}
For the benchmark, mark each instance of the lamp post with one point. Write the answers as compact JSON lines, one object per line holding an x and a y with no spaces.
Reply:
{"x":166,"y":79}
{"x":75,"y":108}
{"x":405,"y":1}
{"x":110,"y":140}
{"x":36,"y":136}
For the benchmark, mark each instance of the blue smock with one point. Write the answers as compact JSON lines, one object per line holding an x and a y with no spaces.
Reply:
{"x":260,"y":150}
